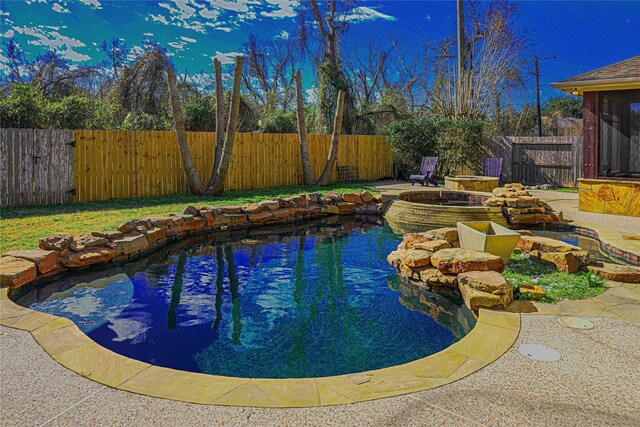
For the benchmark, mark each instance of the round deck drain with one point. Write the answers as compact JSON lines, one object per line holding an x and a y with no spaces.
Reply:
{"x":576,"y":322}
{"x":539,"y":352}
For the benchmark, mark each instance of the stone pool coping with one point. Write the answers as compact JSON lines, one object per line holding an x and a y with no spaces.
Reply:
{"x":494,"y":333}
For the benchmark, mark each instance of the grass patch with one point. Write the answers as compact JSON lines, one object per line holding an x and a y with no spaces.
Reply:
{"x":565,"y":190}
{"x":556,"y":284}
{"x":20,"y":228}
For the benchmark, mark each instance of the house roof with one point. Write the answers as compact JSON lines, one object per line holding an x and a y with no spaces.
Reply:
{"x":622,"y":75}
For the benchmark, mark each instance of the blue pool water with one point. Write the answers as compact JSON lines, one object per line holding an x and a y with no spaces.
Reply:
{"x":314,"y":300}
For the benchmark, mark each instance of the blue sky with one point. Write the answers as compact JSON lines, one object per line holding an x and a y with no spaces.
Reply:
{"x":584,"y":34}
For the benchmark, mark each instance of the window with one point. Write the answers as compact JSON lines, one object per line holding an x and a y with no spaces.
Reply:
{"x":619,"y":153}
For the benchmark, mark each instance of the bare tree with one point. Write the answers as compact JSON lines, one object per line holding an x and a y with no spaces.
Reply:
{"x":493,"y":53}
{"x":271,"y":65}
{"x":307,"y":170}
{"x":335,"y":139}
{"x":217,"y":66}
{"x":195,"y":183}
{"x":330,"y":25}
{"x":217,"y":186}
{"x":116,"y":50}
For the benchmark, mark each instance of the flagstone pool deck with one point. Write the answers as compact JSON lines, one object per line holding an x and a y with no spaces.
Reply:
{"x":594,"y":382}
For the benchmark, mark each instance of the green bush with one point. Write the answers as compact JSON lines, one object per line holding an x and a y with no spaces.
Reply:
{"x":144,"y":121}
{"x":22,"y":108}
{"x":457,"y":142}
{"x":71,"y":112}
{"x":279,"y":122}
{"x":200,"y":113}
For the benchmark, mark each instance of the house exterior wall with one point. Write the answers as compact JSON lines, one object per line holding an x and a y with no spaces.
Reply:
{"x":609,"y":196}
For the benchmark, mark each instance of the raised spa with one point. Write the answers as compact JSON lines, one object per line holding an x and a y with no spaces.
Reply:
{"x":313,"y":300}
{"x":436,"y":208}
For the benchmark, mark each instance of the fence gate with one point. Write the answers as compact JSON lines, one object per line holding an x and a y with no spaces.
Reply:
{"x":36,"y":167}
{"x":549,"y":160}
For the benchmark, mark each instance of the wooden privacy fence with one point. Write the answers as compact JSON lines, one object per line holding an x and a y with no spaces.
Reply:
{"x":124,"y":164}
{"x":539,"y":160}
{"x":36,"y":167}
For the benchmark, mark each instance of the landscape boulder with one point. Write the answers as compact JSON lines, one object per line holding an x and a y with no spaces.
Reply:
{"x":86,"y":241}
{"x":44,"y":260}
{"x":456,"y":261}
{"x":91,"y":256}
{"x":485,"y":289}
{"x":352,"y":198}
{"x":127,"y":245}
{"x":55,"y":243}
{"x":432,"y":245}
{"x":16,"y":272}
{"x":615,"y":272}
{"x":417,"y":258}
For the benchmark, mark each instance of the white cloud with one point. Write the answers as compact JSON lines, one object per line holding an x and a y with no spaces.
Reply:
{"x":188,"y":40}
{"x":226,"y":58}
{"x":93,"y":3}
{"x":281,"y":9}
{"x":364,"y":13}
{"x":148,"y":34}
{"x":232,"y":5}
{"x":57,"y":7}
{"x":177,"y":45}
{"x":54,"y":40}
{"x":311,"y":95}
{"x":159,"y":18}
{"x":8,"y":34}
{"x":225,"y":29}
{"x":209,"y":14}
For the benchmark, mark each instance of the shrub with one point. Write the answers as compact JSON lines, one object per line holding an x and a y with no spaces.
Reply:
{"x":22,"y":108}
{"x":457,"y":142}
{"x":200,"y":113}
{"x":280,"y":122}
{"x":71,"y":112}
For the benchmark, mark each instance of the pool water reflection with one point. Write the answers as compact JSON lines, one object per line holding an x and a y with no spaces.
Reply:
{"x":312,"y":300}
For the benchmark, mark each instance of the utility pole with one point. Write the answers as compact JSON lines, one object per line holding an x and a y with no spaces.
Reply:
{"x":536,"y":73}
{"x":461,"y":58}
{"x":461,"y":54}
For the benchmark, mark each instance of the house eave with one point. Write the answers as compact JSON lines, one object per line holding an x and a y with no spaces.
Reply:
{"x":579,"y":87}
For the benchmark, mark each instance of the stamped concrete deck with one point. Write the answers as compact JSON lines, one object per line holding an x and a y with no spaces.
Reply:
{"x":594,"y":383}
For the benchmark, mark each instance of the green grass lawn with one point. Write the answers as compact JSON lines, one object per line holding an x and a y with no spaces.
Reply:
{"x":566,"y":190}
{"x":557,"y":285}
{"x":20,"y":228}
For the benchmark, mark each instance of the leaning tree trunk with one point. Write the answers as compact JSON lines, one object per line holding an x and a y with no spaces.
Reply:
{"x":218,"y":185}
{"x":333,"y":150}
{"x":219,"y":122}
{"x":307,"y":170}
{"x":195,"y":182}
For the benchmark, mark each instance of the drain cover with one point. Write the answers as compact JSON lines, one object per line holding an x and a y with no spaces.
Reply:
{"x":576,"y":322}
{"x":539,"y":352}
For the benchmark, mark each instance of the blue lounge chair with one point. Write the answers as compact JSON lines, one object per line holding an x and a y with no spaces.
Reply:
{"x":492,"y":166}
{"x":427,"y":172}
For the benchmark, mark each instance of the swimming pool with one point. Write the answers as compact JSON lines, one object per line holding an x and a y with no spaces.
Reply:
{"x":309,"y":300}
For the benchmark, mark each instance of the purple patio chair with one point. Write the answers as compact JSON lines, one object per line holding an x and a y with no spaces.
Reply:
{"x":427,"y":172}
{"x":492,"y":166}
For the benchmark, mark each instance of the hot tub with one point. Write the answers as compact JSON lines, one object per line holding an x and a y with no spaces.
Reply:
{"x":417,"y":210}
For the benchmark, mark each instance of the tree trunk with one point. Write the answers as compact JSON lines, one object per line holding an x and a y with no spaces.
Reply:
{"x":307,"y":170}
{"x":219,"y":122}
{"x":218,"y":185}
{"x":195,"y":182}
{"x":333,"y":150}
